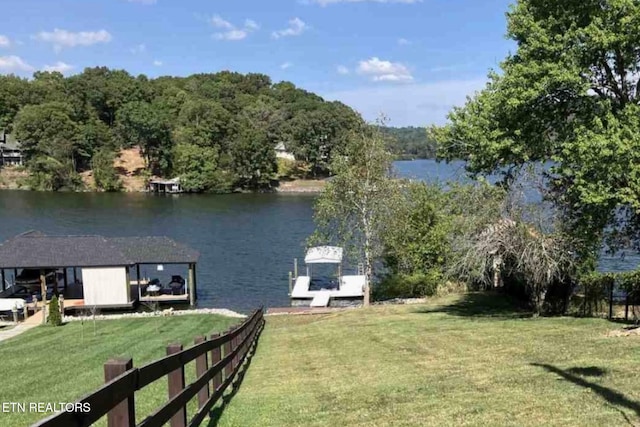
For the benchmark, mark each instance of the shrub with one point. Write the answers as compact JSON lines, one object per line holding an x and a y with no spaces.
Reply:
{"x":416,"y":285}
{"x":286,"y":167}
{"x":55,"y":317}
{"x":595,"y":288}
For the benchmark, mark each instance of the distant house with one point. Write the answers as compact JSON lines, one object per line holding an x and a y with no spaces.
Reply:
{"x":282,"y":153}
{"x":10,"y":151}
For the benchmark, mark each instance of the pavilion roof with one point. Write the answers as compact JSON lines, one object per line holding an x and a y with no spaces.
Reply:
{"x":37,"y":250}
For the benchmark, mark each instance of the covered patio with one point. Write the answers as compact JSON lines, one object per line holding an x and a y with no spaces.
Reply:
{"x":94,"y":272}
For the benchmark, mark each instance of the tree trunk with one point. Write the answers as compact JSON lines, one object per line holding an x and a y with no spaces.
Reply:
{"x":368,"y":261}
{"x":367,"y":285}
{"x":539,"y":298}
{"x":368,"y":269}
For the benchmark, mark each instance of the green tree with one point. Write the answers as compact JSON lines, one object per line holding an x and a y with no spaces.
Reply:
{"x":93,"y":137}
{"x":204,"y":123}
{"x":104,"y":173}
{"x":105,"y":91}
{"x":50,"y":140}
{"x":14,"y":94}
{"x":149,"y":126}
{"x":358,"y":204}
{"x":47,"y":87}
{"x":254,"y":158}
{"x":50,"y":174}
{"x":47,"y":129}
{"x":418,"y":239}
{"x":55,"y":317}
{"x":569,"y":94}
{"x":198,"y":169}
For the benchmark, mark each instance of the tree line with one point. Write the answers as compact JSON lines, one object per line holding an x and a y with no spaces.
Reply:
{"x":410,"y":142}
{"x":216,"y":131}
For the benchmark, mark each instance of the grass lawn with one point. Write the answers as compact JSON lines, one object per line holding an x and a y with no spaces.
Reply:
{"x":47,"y":364}
{"x":462,"y":360}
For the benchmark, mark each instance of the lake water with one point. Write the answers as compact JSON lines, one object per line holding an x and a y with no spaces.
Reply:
{"x":247,"y":242}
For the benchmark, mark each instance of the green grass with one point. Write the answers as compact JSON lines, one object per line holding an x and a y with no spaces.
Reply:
{"x":461,"y":361}
{"x":47,"y":364}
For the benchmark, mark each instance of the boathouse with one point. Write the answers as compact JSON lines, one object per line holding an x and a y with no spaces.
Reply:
{"x":95,"y":271}
{"x":167,"y":186}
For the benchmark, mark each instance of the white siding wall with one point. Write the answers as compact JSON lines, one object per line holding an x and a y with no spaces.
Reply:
{"x":105,"y":286}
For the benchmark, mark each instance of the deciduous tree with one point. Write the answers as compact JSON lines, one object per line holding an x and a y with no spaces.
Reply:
{"x":569,"y":94}
{"x":358,"y":203}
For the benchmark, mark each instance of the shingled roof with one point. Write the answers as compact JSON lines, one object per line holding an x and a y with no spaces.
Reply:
{"x":36,"y":250}
{"x":154,"y":250}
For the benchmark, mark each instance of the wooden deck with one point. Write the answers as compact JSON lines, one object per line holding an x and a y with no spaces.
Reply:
{"x":165,"y":298}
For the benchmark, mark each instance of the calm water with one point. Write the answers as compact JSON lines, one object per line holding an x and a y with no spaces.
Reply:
{"x":247,"y":242}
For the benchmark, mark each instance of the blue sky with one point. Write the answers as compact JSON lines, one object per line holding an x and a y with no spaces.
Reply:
{"x":409,"y":59}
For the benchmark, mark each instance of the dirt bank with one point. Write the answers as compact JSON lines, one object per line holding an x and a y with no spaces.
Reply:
{"x":13,"y":178}
{"x":302,"y":186}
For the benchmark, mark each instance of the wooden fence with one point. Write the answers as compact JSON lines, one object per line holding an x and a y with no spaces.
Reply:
{"x":115,"y":398}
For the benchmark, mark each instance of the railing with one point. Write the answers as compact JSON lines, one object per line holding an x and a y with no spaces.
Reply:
{"x":116,"y":397}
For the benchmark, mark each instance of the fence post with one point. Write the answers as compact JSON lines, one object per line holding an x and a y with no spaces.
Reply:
{"x":240,"y":345}
{"x":234,"y":347}
{"x":124,"y":413}
{"x":626,"y":308}
{"x":611,"y":300}
{"x":201,"y":368}
{"x":215,"y":358}
{"x":176,"y":385}
{"x":227,"y":351}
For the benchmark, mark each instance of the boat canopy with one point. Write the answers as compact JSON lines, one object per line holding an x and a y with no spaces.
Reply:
{"x":324,"y":255}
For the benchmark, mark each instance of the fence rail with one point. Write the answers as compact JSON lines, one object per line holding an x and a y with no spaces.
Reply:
{"x":217,"y":360}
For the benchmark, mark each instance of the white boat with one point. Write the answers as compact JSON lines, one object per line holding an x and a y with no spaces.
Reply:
{"x":333,"y":290}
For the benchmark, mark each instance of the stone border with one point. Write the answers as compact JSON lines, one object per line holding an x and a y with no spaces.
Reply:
{"x":164,"y":313}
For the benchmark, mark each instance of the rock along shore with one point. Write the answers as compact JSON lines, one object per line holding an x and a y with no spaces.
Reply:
{"x":161,"y":313}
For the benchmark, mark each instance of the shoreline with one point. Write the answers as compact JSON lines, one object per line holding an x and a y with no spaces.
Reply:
{"x":300,"y":186}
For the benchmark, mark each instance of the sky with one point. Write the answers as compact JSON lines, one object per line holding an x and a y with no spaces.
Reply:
{"x":410,"y":60}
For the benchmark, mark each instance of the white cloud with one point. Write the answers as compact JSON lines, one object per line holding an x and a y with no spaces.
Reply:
{"x":296,"y":27}
{"x":252,"y":25}
{"x":232,"y":35}
{"x":4,"y":41}
{"x":157,"y":63}
{"x":403,"y":42}
{"x":63,"y":38}
{"x":341,"y":69}
{"x":14,"y":64}
{"x":413,"y":104}
{"x":231,"y":32}
{"x":143,"y":1}
{"x":328,"y":2}
{"x":218,"y":22}
{"x":140,"y":48}
{"x":384,"y":71}
{"x":59,"y":66}
{"x":286,"y":65}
